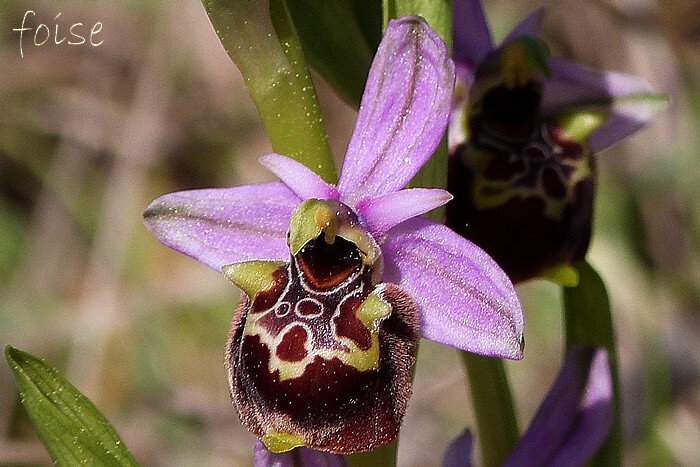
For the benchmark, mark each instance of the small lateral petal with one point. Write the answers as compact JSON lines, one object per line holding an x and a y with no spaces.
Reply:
{"x":300,"y":457}
{"x":459,"y":453}
{"x":221,"y":226}
{"x":530,"y":25}
{"x":464,"y":298}
{"x":299,"y":178}
{"x":404,"y":111}
{"x":472,"y":38}
{"x":385,"y":211}
{"x":575,"y":417}
{"x":629,"y":101}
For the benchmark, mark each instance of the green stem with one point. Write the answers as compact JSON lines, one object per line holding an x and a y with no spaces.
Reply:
{"x":587,"y":320}
{"x":438,"y":14}
{"x":278,"y":79}
{"x":493,"y":407}
{"x":433,"y":175}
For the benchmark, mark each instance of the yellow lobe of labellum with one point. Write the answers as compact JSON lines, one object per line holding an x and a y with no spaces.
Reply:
{"x":278,"y":442}
{"x":372,"y":310}
{"x":564,"y":275}
{"x":578,"y":126}
{"x":371,"y":313}
{"x":522,"y":59}
{"x":252,"y":276}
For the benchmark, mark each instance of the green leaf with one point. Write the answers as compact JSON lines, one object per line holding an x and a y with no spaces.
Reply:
{"x":70,"y":426}
{"x":260,"y":38}
{"x":587,"y":320}
{"x":339,"y":38}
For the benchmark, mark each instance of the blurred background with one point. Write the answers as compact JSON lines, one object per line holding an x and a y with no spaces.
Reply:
{"x":90,"y":135}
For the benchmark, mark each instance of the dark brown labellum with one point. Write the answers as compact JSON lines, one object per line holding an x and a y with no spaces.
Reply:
{"x":322,"y":357}
{"x":527,"y":201}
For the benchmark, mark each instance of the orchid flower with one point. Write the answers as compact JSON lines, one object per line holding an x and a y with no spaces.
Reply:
{"x":523,"y":136}
{"x":572,"y":423}
{"x":340,"y":281}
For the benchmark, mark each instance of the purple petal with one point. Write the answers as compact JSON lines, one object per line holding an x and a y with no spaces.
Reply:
{"x":530,"y":25}
{"x":630,"y":100}
{"x":385,"y":211}
{"x":471,"y":37}
{"x":403,"y":114}
{"x":459,"y":453}
{"x":300,"y":457}
{"x":220,"y":226}
{"x":464,"y":298}
{"x":575,"y":417}
{"x":596,"y":414}
{"x":298,"y":177}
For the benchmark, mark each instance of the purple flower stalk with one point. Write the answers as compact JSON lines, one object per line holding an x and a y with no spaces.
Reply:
{"x":523,"y":134}
{"x":340,"y":281}
{"x":572,"y":423}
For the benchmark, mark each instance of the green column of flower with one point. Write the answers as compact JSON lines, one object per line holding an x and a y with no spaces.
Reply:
{"x":260,"y":38}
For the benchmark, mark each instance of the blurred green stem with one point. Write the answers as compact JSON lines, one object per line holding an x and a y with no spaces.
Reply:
{"x":493,"y":407}
{"x":587,"y":320}
{"x":260,"y":38}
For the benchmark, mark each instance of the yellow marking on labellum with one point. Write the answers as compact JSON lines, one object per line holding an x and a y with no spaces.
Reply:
{"x":371,"y":313}
{"x":278,"y":442}
{"x":252,"y":276}
{"x":373,"y":310}
{"x":483,"y":187}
